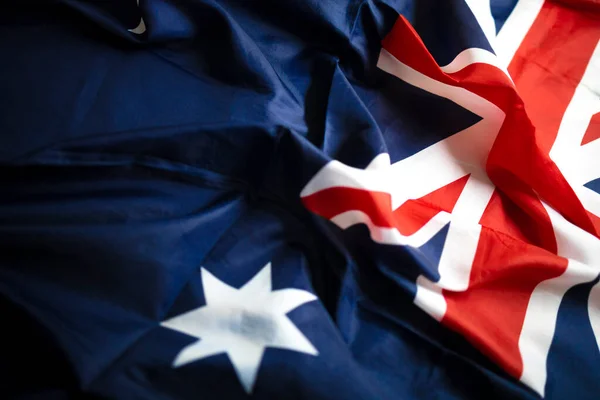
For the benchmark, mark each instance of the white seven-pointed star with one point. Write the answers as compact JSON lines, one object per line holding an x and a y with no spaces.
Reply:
{"x":242,"y":323}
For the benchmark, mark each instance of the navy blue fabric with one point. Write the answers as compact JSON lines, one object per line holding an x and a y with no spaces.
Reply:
{"x":594,"y":185}
{"x":573,"y":331}
{"x":501,"y":9}
{"x":129,"y":161}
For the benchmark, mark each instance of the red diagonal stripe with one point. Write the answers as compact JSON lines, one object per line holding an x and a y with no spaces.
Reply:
{"x":408,"y":218}
{"x":593,"y":131}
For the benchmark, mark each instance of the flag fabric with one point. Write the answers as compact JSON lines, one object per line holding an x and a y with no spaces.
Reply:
{"x":367,"y":199}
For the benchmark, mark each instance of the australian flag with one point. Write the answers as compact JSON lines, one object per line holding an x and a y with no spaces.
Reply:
{"x":300,"y":199}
